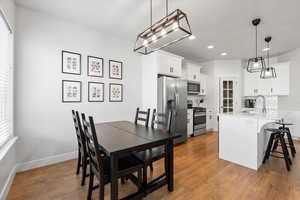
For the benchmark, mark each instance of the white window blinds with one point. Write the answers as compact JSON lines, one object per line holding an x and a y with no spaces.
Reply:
{"x":5,"y":82}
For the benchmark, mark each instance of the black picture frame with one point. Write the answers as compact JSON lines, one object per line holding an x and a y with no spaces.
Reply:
{"x":111,"y":77}
{"x":110,"y":85}
{"x":62,"y":62}
{"x":103,"y":94}
{"x":88,"y":66}
{"x":63,"y":94}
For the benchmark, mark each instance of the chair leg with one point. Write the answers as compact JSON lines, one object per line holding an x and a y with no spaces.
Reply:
{"x":285,"y":152}
{"x":151,"y":167}
{"x":91,"y":185}
{"x":267,"y":154}
{"x":101,"y":191}
{"x":78,"y":162}
{"x":275,"y":145}
{"x":145,"y":176}
{"x":290,"y":140}
{"x":122,"y":180}
{"x":84,"y":170}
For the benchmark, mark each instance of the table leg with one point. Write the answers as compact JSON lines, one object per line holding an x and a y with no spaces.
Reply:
{"x":113,"y":177}
{"x":170,"y":173}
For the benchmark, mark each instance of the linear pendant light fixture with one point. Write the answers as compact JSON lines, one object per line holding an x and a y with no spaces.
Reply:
{"x":169,"y":30}
{"x":256,"y":64}
{"x":268,"y":72}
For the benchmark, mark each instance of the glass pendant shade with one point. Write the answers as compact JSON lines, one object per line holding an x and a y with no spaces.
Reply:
{"x":256,"y":65}
{"x":170,"y":29}
{"x":268,"y":73}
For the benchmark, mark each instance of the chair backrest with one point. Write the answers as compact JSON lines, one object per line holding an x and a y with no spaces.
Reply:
{"x":142,"y":116}
{"x":96,"y":154}
{"x":162,"y":119}
{"x":79,"y":132}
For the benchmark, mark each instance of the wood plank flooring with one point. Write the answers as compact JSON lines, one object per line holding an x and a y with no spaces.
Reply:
{"x":199,"y":174}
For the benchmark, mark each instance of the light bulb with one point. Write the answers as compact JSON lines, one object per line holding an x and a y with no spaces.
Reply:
{"x":268,"y":73}
{"x":256,"y":65}
{"x":154,"y":38}
{"x":175,"y":26}
{"x":145,"y":43}
{"x":192,"y":37}
{"x":163,"y":32}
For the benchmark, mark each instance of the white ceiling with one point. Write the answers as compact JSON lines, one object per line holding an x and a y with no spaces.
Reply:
{"x":226,"y":24}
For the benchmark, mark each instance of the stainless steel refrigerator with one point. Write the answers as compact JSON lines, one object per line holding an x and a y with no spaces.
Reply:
{"x":172,"y":94}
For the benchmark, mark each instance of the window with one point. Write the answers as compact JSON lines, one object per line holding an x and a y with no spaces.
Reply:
{"x":6,"y":100}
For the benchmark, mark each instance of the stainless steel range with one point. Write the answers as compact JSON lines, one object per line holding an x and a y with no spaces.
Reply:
{"x":199,"y":119}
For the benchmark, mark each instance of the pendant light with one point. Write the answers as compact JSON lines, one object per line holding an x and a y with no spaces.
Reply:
{"x":268,"y":72}
{"x":168,"y":30}
{"x":256,"y":64}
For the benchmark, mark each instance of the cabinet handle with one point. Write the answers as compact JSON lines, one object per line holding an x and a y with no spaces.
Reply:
{"x":171,"y":69}
{"x":271,"y":90}
{"x":194,"y":76}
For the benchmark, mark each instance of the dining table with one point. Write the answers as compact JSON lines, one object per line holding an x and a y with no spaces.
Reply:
{"x":121,"y":138}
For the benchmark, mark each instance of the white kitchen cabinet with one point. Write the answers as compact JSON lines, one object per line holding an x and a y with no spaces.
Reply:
{"x":193,"y":72}
{"x":280,"y":86}
{"x":156,"y":63}
{"x":203,"y":80}
{"x":210,"y":117}
{"x":168,"y":64}
{"x":190,"y":128}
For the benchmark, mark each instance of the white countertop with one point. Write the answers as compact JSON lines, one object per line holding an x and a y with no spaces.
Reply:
{"x":273,"y":115}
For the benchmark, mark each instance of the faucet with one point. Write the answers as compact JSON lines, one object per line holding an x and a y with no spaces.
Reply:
{"x":264,"y":109}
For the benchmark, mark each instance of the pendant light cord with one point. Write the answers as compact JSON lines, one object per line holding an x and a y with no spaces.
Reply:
{"x":150,"y":12}
{"x":167,"y":7}
{"x":268,"y":54}
{"x":256,"y":41}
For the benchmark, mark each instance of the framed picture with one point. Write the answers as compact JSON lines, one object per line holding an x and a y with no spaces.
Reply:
{"x":115,"y":69}
{"x":96,"y":92}
{"x":95,"y":66}
{"x":71,"y":91}
{"x":115,"y":92}
{"x":71,"y":63}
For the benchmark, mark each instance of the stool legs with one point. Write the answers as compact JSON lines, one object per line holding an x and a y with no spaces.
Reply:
{"x":285,"y":152}
{"x":290,"y":140}
{"x":268,"y":151}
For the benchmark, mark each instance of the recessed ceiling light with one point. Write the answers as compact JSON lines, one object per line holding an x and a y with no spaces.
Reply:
{"x":224,"y":54}
{"x":267,"y":49}
{"x":192,"y":37}
{"x":210,"y":47}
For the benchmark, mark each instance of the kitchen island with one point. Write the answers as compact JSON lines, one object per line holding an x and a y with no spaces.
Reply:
{"x":242,"y":139}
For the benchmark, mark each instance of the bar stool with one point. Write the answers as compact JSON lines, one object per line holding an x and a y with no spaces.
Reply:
{"x":286,"y":130}
{"x":277,"y":136}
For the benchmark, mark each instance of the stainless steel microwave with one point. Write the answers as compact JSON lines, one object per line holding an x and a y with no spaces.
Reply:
{"x":193,"y":87}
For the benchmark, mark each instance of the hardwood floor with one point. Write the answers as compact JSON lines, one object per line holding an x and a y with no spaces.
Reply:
{"x":199,"y":174}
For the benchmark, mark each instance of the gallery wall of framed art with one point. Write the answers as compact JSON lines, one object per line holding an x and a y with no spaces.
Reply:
{"x":92,"y":85}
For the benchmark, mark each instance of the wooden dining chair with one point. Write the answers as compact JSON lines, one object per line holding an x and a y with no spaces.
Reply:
{"x":100,"y":162}
{"x":142,"y":116}
{"x":83,"y":158}
{"x":149,"y":156}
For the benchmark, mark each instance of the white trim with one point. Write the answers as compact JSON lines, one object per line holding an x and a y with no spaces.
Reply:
{"x":7,"y":185}
{"x":46,"y":161}
{"x":7,"y":146}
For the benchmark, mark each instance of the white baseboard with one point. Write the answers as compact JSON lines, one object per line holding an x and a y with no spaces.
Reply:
{"x":46,"y":161}
{"x":7,"y":185}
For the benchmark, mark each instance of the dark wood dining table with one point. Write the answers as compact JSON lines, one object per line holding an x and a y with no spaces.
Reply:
{"x":123,"y":137}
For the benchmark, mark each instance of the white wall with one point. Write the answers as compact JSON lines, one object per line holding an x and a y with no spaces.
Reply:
{"x":215,"y":70}
{"x":8,"y":157}
{"x":43,"y":123}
